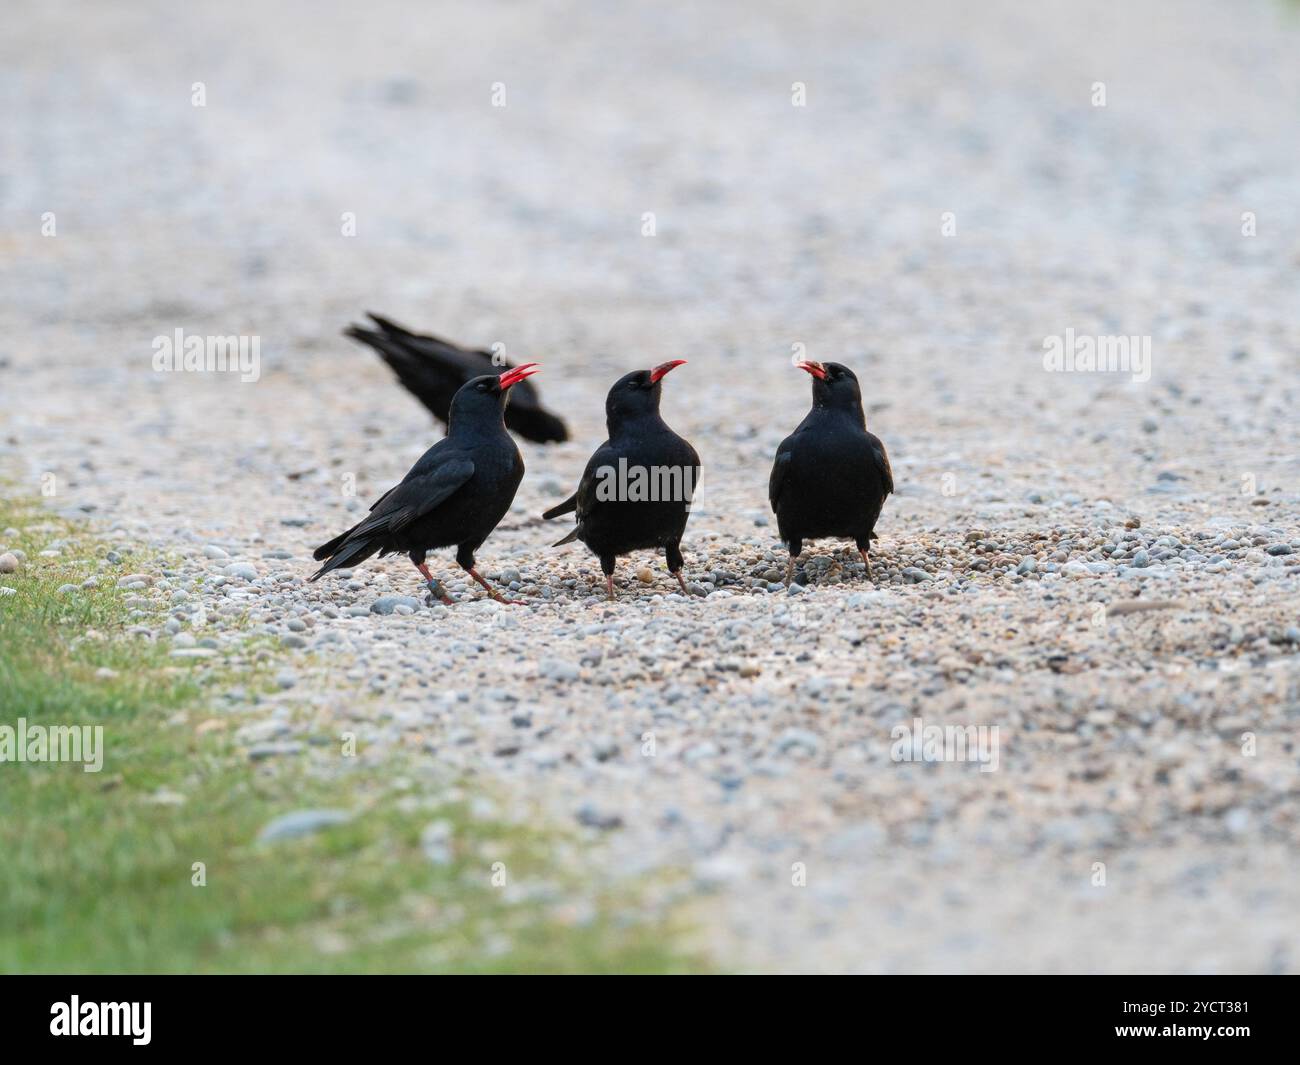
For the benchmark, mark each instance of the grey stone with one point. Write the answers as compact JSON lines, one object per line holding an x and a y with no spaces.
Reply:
{"x":387,"y":604}
{"x":301,"y":823}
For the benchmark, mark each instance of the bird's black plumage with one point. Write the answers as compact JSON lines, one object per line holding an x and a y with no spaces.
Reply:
{"x":831,"y":476}
{"x":432,"y":370}
{"x":454,"y":495}
{"x":636,"y":490}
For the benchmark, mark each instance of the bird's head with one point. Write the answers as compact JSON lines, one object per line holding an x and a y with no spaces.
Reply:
{"x":638,"y":392}
{"x":834,"y":385}
{"x":487,"y":395}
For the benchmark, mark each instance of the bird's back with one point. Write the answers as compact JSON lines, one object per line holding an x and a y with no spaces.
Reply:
{"x":828,"y":479}
{"x":636,"y":491}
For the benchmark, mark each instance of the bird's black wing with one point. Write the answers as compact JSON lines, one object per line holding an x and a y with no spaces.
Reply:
{"x":415,"y":497}
{"x":604,"y":457}
{"x":780,"y":468}
{"x":881,"y":461}
{"x":424,"y":488}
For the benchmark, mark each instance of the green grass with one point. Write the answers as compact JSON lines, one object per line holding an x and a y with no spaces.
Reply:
{"x":96,"y":868}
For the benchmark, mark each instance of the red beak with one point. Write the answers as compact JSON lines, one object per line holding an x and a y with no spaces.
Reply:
{"x":517,"y":373}
{"x":814,"y":368}
{"x":663,"y":368}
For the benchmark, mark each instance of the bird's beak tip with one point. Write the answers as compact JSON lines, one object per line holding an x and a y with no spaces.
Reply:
{"x":517,"y":373}
{"x":663,"y":368}
{"x":814,"y":368}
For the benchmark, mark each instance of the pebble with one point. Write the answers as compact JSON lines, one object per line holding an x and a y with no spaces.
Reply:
{"x":273,"y":750}
{"x":798,"y":740}
{"x":387,"y":604}
{"x":8,"y":562}
{"x":242,"y":571}
{"x":594,"y":817}
{"x":301,"y":823}
{"x":436,"y":842}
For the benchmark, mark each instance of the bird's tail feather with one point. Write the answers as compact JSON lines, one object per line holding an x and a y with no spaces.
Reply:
{"x":331,"y":546}
{"x":568,"y":539}
{"x":348,"y":554}
{"x":568,"y":506}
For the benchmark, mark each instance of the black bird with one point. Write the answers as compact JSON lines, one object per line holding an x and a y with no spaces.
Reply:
{"x":432,"y":370}
{"x":456,"y":494}
{"x":636,"y":490}
{"x":831,"y":476}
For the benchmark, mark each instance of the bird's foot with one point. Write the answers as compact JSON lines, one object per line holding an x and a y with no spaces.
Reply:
{"x":494,"y":593}
{"x":508,"y":602}
{"x":436,"y":592}
{"x":866,"y":561}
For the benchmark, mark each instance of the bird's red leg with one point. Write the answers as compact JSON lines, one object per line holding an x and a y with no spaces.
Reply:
{"x":609,"y":586}
{"x":682,"y":582}
{"x":866,"y":561}
{"x":434,"y":587}
{"x":493,"y":592}
{"x":789,"y":571}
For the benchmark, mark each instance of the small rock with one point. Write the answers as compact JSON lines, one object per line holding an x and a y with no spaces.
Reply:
{"x":798,"y":739}
{"x":8,"y":563}
{"x":301,"y":823}
{"x":387,"y":604}
{"x":593,"y":817}
{"x":436,"y":840}
{"x":272,"y":750}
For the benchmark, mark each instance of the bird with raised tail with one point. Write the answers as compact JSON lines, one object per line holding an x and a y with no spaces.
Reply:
{"x":433,"y":370}
{"x":635,"y":493}
{"x":831,"y":476}
{"x":455,"y":495}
